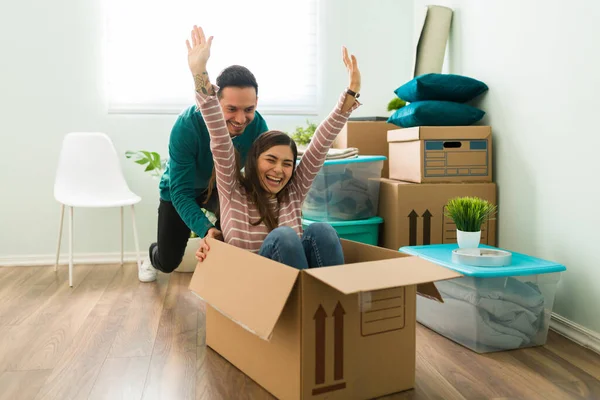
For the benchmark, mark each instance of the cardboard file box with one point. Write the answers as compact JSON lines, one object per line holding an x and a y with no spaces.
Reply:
{"x":429,"y":154}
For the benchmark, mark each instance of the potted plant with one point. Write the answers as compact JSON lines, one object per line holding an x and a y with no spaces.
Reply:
{"x":469,"y":214}
{"x":395,"y":104}
{"x":303,"y":135}
{"x":155,"y":166}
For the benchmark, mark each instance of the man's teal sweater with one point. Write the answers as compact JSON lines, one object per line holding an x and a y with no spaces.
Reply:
{"x":190,"y":164}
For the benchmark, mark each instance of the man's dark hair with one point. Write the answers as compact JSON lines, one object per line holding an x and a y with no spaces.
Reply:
{"x":236,"y":76}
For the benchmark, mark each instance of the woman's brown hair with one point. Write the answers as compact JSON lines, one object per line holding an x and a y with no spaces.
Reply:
{"x":250,"y":179}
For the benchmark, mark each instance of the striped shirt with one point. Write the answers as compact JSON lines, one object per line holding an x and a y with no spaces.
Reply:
{"x":237,"y":208}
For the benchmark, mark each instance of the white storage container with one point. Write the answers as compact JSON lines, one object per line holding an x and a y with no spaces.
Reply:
{"x":491,"y":308}
{"x":345,"y":190}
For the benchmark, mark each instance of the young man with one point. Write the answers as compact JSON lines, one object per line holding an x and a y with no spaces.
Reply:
{"x":186,"y":180}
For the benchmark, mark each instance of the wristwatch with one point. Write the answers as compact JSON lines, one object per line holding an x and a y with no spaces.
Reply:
{"x":353,"y":93}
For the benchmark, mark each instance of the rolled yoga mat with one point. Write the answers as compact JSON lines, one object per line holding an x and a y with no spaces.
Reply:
{"x":430,"y":48}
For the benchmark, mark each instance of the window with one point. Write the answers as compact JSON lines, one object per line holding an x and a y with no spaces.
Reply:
{"x":146,"y":54}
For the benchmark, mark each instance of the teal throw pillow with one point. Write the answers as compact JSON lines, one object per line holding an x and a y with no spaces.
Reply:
{"x":435,"y":113}
{"x":447,"y":87}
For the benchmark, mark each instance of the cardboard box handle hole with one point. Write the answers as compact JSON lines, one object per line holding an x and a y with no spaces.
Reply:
{"x":452,"y":145}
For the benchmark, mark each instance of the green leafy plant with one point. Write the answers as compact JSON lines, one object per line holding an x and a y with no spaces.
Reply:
{"x":303,"y":135}
{"x":469,"y":213}
{"x":396,"y":104}
{"x":155,"y":165}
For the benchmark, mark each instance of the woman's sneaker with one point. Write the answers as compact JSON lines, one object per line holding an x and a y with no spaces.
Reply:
{"x":146,"y":272}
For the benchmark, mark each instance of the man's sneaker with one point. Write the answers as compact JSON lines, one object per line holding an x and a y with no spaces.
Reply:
{"x":146,"y":272}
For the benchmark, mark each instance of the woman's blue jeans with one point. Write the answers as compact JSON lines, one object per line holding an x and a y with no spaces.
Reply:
{"x":319,"y":247}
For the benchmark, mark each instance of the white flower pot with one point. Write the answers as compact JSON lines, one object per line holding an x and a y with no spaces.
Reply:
{"x":468,"y":240}
{"x":188,"y":263}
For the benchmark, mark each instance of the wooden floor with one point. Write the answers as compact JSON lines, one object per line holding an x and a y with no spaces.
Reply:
{"x":111,"y":337}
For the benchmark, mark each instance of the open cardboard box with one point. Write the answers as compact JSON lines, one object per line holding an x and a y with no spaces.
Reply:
{"x":342,"y":332}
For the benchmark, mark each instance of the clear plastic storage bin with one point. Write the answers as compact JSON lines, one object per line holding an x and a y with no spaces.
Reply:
{"x":345,"y":190}
{"x":491,"y":308}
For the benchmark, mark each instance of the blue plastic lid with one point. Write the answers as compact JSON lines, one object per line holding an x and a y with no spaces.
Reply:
{"x":354,"y":222}
{"x":358,"y":159}
{"x":522,"y":264}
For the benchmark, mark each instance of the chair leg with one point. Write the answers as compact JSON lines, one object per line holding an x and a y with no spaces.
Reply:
{"x":71,"y":246}
{"x":135,"y":237}
{"x":60,"y":226}
{"x":122,"y":235}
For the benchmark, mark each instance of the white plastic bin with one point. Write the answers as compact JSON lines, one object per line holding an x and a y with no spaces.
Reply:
{"x":345,"y":190}
{"x":491,"y":308}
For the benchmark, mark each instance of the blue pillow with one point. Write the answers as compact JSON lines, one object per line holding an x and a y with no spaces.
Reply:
{"x":435,"y":113}
{"x":448,"y":87}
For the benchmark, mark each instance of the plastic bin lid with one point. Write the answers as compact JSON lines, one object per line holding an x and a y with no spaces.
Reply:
{"x":359,"y":159}
{"x":354,"y":222}
{"x":522,"y":264}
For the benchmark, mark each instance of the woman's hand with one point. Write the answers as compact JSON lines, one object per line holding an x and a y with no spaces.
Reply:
{"x":212,"y":233}
{"x":202,"y":250}
{"x":199,"y":51}
{"x":353,"y":71}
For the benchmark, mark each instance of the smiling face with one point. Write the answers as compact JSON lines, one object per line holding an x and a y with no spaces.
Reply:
{"x":275,"y":167}
{"x":238,"y":105}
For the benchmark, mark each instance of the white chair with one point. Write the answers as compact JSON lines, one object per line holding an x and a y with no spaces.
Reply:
{"x":89,"y":175}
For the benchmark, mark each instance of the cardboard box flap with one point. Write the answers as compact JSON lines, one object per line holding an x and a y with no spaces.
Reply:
{"x":248,"y":289}
{"x":383,"y":274}
{"x":430,"y":291}
{"x":439,"y":133}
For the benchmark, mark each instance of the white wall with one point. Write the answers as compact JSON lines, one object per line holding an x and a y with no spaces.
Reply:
{"x":51,"y":78}
{"x":541,"y":62}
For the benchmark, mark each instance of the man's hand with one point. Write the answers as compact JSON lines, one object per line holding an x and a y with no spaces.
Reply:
{"x":353,"y":71}
{"x":198,"y":55}
{"x":213,"y":233}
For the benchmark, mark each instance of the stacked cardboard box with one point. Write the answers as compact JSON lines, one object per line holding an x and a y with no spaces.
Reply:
{"x":369,"y":137}
{"x":427,"y":167}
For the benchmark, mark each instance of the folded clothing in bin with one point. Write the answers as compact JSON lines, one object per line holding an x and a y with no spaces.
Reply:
{"x":340,"y":196}
{"x":508,"y":313}
{"x":336,"y":154}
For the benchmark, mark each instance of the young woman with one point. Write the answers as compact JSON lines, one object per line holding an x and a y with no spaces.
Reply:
{"x":261,"y":210}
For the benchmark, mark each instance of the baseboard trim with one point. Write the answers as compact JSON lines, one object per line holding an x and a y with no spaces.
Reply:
{"x":78,"y":258}
{"x":575,"y":332}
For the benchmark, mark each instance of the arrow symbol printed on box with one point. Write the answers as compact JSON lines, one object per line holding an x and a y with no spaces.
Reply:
{"x":338,"y":342}
{"x":319,"y":318}
{"x":412,"y":229}
{"x":426,"y":227}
